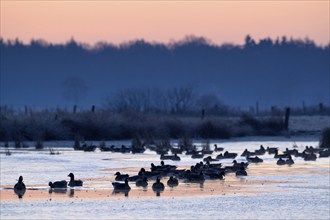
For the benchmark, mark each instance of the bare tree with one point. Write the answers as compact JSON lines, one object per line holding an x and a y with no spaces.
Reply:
{"x":182,"y":99}
{"x":138,"y":100}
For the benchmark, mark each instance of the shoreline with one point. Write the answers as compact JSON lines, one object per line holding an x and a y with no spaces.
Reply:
{"x":69,"y":143}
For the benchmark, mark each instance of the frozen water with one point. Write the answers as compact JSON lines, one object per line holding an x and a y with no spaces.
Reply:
{"x":301,"y":191}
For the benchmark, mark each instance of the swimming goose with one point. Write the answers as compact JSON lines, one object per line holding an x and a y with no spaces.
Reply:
{"x":209,"y":159}
{"x":241,"y":172}
{"x":229,"y":155}
{"x":217,"y":149}
{"x":236,"y":164}
{"x":271,"y":150}
{"x":58,"y":184}
{"x":310,"y":157}
{"x":74,"y":182}
{"x":166,"y":157}
{"x":172,"y":182}
{"x":176,"y":157}
{"x":246,"y":152}
{"x":142,"y":182}
{"x":120,"y":177}
{"x":280,"y":162}
{"x":255,"y":159}
{"x":289,"y":161}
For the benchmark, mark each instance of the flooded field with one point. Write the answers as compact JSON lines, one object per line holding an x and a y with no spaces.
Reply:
{"x":299,"y":191}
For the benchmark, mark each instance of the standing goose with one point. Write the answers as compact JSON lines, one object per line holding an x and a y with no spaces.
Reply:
{"x":74,"y":182}
{"x":20,"y":188}
{"x":142,"y":182}
{"x":158,"y":186}
{"x":172,"y":182}
{"x":20,"y":185}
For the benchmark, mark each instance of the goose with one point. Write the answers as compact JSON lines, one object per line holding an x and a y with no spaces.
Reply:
{"x":74,"y":182}
{"x":271,"y":150}
{"x":290,"y":152}
{"x":246,"y":152}
{"x":148,"y":174}
{"x":134,"y":178}
{"x":209,"y":159}
{"x":20,"y":185}
{"x":280,"y":162}
{"x":229,"y":155}
{"x":142,"y":182}
{"x":213,"y":165}
{"x":20,"y":188}
{"x":165,"y":157}
{"x":260,"y":151}
{"x":120,"y":177}
{"x":176,"y":157}
{"x":236,"y":164}
{"x":172,"y":182}
{"x":241,"y":172}
{"x":197,"y":154}
{"x":310,"y":157}
{"x":255,"y":159}
{"x":220,"y":156}
{"x":289,"y":161}
{"x":158,"y":186}
{"x":217,"y":149}
{"x":121,"y":186}
{"x":167,"y":166}
{"x":58,"y":184}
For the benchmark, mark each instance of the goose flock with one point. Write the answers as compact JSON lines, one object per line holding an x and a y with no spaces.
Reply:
{"x":208,"y":168}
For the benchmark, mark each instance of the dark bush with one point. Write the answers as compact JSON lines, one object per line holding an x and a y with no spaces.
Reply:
{"x":39,"y":145}
{"x":250,"y":121}
{"x":210,"y":129}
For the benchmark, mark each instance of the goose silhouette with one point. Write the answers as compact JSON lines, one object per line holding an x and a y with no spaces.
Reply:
{"x":172,"y":182}
{"x":58,"y":184}
{"x":158,"y":186}
{"x":74,"y":182}
{"x":20,"y":188}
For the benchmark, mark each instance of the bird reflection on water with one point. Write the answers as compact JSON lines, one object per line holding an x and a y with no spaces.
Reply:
{"x":121,"y":191}
{"x":19,"y":192}
{"x":57,"y":190}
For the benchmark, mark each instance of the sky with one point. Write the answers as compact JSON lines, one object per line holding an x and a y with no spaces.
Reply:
{"x":58,"y":21}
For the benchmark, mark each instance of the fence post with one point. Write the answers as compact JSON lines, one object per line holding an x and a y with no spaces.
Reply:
{"x":286,"y":120}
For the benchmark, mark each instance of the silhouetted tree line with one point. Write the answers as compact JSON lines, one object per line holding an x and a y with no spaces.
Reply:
{"x":282,"y":69}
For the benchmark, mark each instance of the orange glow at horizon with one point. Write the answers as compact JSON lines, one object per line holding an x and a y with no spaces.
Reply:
{"x":163,"y":21}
